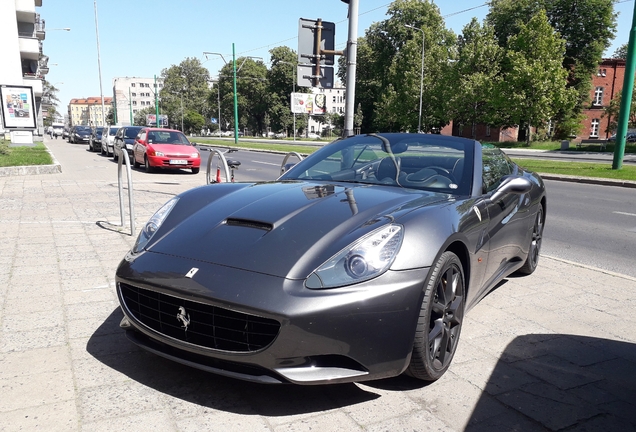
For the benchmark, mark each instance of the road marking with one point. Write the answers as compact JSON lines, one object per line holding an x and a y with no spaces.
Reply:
{"x":266,"y":163}
{"x":625,"y":214}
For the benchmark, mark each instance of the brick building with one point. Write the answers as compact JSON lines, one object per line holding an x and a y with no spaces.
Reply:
{"x":606,"y":83}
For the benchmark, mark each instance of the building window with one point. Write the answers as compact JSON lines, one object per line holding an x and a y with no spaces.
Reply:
{"x":601,"y":72}
{"x":594,"y":129}
{"x":134,"y":103}
{"x":147,"y":85}
{"x":132,"y":84}
{"x":134,"y":94}
{"x":134,"y":111}
{"x":598,"y":96}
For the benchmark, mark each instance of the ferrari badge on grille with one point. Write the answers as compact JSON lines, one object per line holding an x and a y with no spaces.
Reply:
{"x":183,"y":317}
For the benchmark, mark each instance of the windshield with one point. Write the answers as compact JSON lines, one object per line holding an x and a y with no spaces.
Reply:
{"x":165,"y":137}
{"x":131,"y":132}
{"x":82,"y":129}
{"x":112,"y":131}
{"x":415,"y":161}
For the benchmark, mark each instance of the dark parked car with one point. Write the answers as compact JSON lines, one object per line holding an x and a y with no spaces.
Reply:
{"x":125,"y":138}
{"x":165,"y":149}
{"x":95,"y":140}
{"x":630,"y":137}
{"x":79,"y":134}
{"x":359,"y":263}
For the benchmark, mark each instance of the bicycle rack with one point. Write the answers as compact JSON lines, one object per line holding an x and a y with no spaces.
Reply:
{"x":120,"y":162}
{"x":287,"y":156}
{"x":217,"y":178}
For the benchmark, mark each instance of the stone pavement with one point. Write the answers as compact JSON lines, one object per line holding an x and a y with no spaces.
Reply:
{"x":552,"y":351}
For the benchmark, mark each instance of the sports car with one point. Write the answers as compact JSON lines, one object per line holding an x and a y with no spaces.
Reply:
{"x":358,"y":263}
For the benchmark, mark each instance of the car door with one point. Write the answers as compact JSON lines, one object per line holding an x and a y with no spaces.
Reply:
{"x":139,"y":148}
{"x":506,"y":212}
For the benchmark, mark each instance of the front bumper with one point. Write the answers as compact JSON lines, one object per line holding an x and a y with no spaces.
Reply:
{"x":165,"y":162}
{"x":355,"y":333}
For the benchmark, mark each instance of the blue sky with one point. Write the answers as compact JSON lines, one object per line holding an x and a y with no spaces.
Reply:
{"x":139,"y":38}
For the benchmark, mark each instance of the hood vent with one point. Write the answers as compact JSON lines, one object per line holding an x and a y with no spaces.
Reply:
{"x":249,"y":224}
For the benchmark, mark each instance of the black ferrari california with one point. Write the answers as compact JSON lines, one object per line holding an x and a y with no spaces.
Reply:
{"x":358,"y":263}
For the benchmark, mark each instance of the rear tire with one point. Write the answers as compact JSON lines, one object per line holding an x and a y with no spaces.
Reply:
{"x":535,"y":245}
{"x":440,"y":321}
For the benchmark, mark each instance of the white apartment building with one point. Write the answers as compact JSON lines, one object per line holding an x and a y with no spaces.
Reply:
{"x":335,"y":103}
{"x":21,"y":60}
{"x":131,"y":94}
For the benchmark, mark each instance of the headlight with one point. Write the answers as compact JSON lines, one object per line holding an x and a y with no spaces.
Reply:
{"x":194,"y":155}
{"x":152,"y":226}
{"x":365,"y":259}
{"x":159,"y":153}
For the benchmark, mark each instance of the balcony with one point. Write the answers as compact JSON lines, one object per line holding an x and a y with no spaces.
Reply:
{"x":35,"y":82}
{"x":25,"y":10}
{"x":29,"y":48}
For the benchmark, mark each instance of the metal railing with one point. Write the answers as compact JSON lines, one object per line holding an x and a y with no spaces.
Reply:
{"x":121,"y":160}
{"x":284,"y":166}
{"x":223,"y":161}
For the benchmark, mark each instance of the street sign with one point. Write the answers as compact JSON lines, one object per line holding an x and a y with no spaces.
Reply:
{"x":305,"y":76}
{"x":307,"y":33}
{"x":214,"y":120}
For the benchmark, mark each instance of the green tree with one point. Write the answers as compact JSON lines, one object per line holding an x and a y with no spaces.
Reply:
{"x":193,"y":122}
{"x":621,"y":52}
{"x":478,"y":76}
{"x":140,"y":116}
{"x":613,"y":109}
{"x":281,"y":77}
{"x":390,"y":67}
{"x":49,"y":102}
{"x":587,"y":26}
{"x":252,"y":94}
{"x":185,"y":88}
{"x":535,"y":83}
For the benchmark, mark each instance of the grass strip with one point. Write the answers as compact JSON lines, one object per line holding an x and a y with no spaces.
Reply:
{"x":23,"y":156}
{"x":580,"y":169}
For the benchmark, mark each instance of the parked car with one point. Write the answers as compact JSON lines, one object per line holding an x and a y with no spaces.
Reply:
{"x":165,"y":149}
{"x":630,"y":137}
{"x":79,"y":134}
{"x":125,"y":139}
{"x":58,"y":130}
{"x":95,"y":140}
{"x":313,"y":135}
{"x":359,"y":263}
{"x":66,"y":133}
{"x":108,"y":140}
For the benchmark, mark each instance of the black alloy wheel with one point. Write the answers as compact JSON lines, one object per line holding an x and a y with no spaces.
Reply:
{"x":535,"y":245}
{"x":440,"y":321}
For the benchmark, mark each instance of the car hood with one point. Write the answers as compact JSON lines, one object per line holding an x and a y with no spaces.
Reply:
{"x":284,"y":229}
{"x":174,"y":149}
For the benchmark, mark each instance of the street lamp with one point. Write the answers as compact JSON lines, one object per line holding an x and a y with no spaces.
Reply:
{"x":99,"y":65}
{"x":419,"y":125}
{"x":294,"y":88}
{"x":234,"y":72}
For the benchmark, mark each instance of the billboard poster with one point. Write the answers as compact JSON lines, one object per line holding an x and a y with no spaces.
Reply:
{"x":151,"y":120}
{"x":309,"y":103}
{"x":18,"y":107}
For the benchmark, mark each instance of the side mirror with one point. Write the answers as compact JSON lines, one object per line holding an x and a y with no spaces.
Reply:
{"x":512,"y":185}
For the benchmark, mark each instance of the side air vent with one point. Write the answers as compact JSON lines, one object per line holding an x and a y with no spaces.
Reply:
{"x":249,"y":224}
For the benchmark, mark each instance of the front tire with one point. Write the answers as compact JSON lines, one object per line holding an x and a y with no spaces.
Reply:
{"x":149,"y":169}
{"x":535,"y":245}
{"x":440,"y":321}
{"x":195,"y":170}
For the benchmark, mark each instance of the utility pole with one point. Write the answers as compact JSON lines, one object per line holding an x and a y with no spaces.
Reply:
{"x":626,"y":100}
{"x":130,"y":106}
{"x":352,"y":52}
{"x":99,"y":65}
{"x":156,"y":103}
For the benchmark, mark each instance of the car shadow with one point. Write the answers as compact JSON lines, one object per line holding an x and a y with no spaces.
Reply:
{"x":109,"y":345}
{"x":560,"y":382}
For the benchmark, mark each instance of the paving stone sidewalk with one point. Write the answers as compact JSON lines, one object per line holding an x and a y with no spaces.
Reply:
{"x":555,"y":351}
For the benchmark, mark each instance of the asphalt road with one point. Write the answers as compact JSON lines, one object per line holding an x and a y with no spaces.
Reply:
{"x":591,"y":224}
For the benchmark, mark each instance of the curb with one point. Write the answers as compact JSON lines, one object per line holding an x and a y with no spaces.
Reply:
{"x":13,"y":171}
{"x":589,"y":180}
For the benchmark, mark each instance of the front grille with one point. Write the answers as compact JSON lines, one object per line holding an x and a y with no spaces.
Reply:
{"x":208,"y":326}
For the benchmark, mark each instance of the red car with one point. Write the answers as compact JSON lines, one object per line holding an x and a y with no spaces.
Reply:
{"x":165,"y":149}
